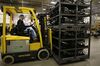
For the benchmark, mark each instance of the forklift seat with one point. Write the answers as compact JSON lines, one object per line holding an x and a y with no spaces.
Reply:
{"x":16,"y":31}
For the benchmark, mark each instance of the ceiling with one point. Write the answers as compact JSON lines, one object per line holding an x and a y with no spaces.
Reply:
{"x":40,"y":4}
{"x":37,"y":4}
{"x":26,"y":2}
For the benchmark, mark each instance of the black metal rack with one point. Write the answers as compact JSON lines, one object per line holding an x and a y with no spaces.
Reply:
{"x":70,"y":30}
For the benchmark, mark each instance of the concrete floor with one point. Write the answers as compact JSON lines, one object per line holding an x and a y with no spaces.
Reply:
{"x":93,"y":61}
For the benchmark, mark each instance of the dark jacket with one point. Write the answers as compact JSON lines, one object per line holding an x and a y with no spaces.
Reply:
{"x":20,"y":26}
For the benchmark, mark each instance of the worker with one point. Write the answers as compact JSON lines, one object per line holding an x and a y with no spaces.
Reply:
{"x":22,"y":28}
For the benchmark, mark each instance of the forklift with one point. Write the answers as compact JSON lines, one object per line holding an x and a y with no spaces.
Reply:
{"x":16,"y":47}
{"x":96,"y":29}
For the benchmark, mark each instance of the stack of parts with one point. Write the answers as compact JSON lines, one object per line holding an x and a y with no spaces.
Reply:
{"x":70,"y":30}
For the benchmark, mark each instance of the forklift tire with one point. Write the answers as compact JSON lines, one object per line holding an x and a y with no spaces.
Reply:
{"x":43,"y":54}
{"x":8,"y":59}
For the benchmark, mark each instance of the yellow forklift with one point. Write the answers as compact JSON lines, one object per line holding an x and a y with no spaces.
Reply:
{"x":96,"y":29}
{"x":15,"y":47}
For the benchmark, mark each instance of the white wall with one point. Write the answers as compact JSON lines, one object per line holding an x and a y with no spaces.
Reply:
{"x":7,"y":18}
{"x":15,"y":18}
{"x":26,"y":20}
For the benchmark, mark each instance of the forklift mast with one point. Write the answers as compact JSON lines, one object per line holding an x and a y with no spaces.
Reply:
{"x":46,"y":32}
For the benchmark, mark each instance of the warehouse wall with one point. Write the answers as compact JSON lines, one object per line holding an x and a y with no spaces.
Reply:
{"x":15,"y":18}
{"x":1,"y":18}
{"x":26,"y":20}
{"x":38,"y":9}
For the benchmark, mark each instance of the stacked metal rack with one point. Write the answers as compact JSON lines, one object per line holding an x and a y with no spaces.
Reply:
{"x":70,"y":30}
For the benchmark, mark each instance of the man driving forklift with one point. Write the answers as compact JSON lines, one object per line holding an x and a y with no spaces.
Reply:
{"x":17,"y":47}
{"x":21,"y":27}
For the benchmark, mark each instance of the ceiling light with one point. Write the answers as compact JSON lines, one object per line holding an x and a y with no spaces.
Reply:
{"x":52,"y":2}
{"x":88,"y":8}
{"x":44,"y":9}
{"x":25,"y":2}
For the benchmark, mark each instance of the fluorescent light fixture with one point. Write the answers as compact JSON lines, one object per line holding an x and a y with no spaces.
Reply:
{"x":44,"y":9}
{"x":25,"y":2}
{"x":52,"y":2}
{"x":88,"y":8}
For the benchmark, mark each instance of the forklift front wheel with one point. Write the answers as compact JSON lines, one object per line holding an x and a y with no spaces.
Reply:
{"x":43,"y":54}
{"x":8,"y":59}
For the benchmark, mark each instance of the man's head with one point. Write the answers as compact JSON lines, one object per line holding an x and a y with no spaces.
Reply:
{"x":21,"y":17}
